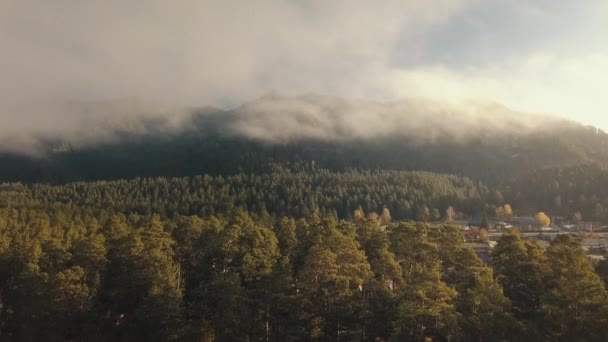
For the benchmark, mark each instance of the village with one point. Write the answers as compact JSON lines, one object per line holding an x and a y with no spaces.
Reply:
{"x":592,"y":235}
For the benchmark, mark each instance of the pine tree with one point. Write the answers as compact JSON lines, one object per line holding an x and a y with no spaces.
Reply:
{"x":332,"y":281}
{"x":519,"y":267}
{"x":485,"y":314}
{"x":426,"y":303}
{"x":576,"y":302}
{"x":485,"y":223}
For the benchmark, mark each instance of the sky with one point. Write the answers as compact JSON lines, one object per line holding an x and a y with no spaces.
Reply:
{"x":544,"y":56}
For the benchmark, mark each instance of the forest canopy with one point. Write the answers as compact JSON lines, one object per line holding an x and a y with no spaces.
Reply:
{"x":300,"y":253}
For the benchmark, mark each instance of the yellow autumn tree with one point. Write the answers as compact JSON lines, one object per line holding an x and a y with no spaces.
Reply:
{"x":507,"y":210}
{"x":358,"y":214}
{"x":542,"y":219}
{"x":385,"y":218}
{"x":504,"y":212}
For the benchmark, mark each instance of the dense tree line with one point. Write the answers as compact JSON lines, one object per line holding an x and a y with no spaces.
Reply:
{"x":244,"y":276}
{"x":299,"y":253}
{"x":292,"y":191}
{"x":206,"y":148}
{"x":576,"y":193}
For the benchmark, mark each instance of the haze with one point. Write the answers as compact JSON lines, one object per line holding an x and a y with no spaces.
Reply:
{"x":160,"y":56}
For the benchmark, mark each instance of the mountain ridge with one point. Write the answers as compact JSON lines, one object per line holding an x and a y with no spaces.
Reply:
{"x":338,"y":134}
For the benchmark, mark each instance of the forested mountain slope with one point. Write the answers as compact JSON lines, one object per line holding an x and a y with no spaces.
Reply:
{"x":488,"y":143}
{"x":578,"y":190}
{"x":296,"y":191}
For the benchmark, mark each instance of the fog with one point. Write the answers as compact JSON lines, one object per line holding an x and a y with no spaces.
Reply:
{"x":280,"y":119}
{"x":79,"y":70}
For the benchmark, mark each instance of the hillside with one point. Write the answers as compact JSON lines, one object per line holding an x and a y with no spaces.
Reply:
{"x":290,"y":219}
{"x":480,"y":141}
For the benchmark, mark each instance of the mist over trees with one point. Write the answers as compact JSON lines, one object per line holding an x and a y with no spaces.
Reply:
{"x":335,"y":133}
{"x":209,"y":234}
{"x":290,"y":171}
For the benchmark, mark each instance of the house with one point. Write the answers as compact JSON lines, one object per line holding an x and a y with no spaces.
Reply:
{"x":501,"y":225}
{"x":590,"y":226}
{"x":523,"y":222}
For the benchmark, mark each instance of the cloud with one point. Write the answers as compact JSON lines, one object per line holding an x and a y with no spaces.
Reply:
{"x":78,"y":68}
{"x":540,"y":56}
{"x":493,"y":32}
{"x":190,"y":52}
{"x":283,"y":119}
{"x":565,"y":86}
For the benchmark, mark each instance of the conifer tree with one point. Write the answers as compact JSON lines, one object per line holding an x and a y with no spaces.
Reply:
{"x":576,"y":302}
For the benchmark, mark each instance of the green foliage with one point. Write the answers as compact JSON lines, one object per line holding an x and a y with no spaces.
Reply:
{"x":520,"y":267}
{"x":291,"y":192}
{"x":480,"y":296}
{"x":574,"y":192}
{"x":269,"y":257}
{"x":576,"y":302}
{"x":426,"y":303}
